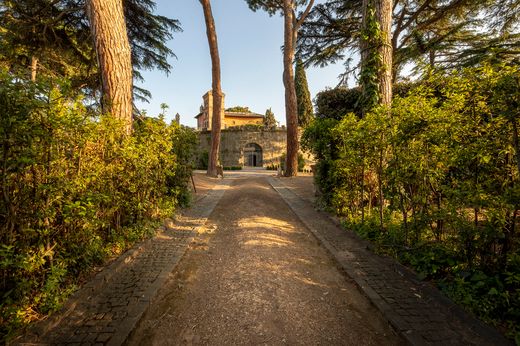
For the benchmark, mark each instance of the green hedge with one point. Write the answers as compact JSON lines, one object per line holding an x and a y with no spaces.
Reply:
{"x":444,"y":162}
{"x":75,"y":191}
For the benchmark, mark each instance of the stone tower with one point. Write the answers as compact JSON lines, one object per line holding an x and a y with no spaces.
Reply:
{"x":208,"y":108}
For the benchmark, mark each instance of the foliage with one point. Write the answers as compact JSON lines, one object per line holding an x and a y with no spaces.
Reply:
{"x":451,"y":183}
{"x":371,"y":61}
{"x":338,"y":102}
{"x":202,"y":160}
{"x":426,"y":34}
{"x":301,"y":162}
{"x":75,"y":191}
{"x":272,"y":6}
{"x":247,"y":127}
{"x":303,"y":96}
{"x":240,"y":109}
{"x":269,"y":120}
{"x":57,"y":34}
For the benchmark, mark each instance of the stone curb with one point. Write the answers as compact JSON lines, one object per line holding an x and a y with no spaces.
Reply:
{"x":96,"y":282}
{"x":106,"y":274}
{"x":400,"y":326}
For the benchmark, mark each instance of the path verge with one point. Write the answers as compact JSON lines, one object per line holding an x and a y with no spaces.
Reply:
{"x":106,"y":309}
{"x":417,"y":310}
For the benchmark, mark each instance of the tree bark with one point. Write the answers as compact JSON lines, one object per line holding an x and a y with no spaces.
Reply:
{"x":291,"y":26}
{"x":34,"y":68}
{"x":291,"y":106}
{"x":107,"y":23}
{"x":216,"y":88}
{"x":384,"y":17}
{"x":383,"y":13}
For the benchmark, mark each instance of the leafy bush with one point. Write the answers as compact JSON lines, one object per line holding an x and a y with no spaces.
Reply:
{"x":75,"y":191}
{"x":301,"y":162}
{"x":203,"y":159}
{"x":435,"y":182}
{"x":338,"y":102}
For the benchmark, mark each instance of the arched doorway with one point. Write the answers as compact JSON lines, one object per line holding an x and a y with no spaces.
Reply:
{"x":253,"y":155}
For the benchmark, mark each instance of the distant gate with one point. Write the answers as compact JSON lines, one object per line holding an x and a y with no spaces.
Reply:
{"x":253,"y":155}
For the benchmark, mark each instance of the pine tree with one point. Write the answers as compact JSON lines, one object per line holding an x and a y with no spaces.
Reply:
{"x":53,"y":38}
{"x":440,"y":33}
{"x":107,"y":22}
{"x":303,"y":96}
{"x":216,"y":88}
{"x":269,"y":119}
{"x":292,"y":24}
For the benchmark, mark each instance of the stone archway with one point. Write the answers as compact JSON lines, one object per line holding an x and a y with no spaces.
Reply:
{"x":253,"y":155}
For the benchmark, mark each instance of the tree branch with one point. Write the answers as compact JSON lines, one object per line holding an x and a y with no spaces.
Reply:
{"x":304,"y":15}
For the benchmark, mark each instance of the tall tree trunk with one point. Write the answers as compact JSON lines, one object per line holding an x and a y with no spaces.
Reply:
{"x":383,"y":13}
{"x":291,"y":26}
{"x":291,"y":106}
{"x":376,"y":55}
{"x":107,"y":23}
{"x":384,"y":17}
{"x":216,"y":88}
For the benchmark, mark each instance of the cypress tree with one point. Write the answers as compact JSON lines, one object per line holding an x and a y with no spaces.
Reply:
{"x":269,"y":119}
{"x":303,"y":96}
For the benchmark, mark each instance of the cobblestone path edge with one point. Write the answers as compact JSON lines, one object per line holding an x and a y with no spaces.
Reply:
{"x":416,"y":310}
{"x":107,"y":308}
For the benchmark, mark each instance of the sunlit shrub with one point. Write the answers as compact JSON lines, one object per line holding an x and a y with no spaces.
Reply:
{"x":76,"y":190}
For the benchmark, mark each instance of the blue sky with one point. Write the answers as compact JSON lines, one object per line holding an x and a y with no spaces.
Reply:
{"x":251,"y":61}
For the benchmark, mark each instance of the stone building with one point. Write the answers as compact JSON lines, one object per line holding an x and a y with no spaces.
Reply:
{"x":228,"y":119}
{"x":244,"y":141}
{"x":243,"y":147}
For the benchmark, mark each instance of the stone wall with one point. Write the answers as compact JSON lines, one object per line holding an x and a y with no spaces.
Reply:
{"x":233,"y":142}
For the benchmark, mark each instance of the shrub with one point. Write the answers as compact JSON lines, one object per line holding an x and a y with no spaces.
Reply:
{"x":444,"y":164}
{"x":301,"y":162}
{"x":75,"y":191}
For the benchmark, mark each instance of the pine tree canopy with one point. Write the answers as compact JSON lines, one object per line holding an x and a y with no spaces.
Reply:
{"x":434,"y":33}
{"x":57,"y":34}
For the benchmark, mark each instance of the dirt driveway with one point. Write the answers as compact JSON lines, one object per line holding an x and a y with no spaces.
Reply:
{"x":256,"y":275}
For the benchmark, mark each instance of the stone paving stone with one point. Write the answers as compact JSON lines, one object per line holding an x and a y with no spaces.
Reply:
{"x":106,"y":309}
{"x":417,"y":310}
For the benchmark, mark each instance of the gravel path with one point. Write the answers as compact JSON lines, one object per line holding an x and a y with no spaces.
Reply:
{"x":253,"y":262}
{"x":256,"y":275}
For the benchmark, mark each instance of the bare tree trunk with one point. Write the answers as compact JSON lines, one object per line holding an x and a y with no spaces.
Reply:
{"x":516,"y":144}
{"x":216,"y":88}
{"x":363,"y":187}
{"x":291,"y":106}
{"x":34,"y":68}
{"x":384,"y":17}
{"x":107,"y":23}
{"x":291,"y":26}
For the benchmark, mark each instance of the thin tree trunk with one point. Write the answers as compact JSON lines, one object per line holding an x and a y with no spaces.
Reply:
{"x":380,"y":188}
{"x":384,"y":17}
{"x":34,"y":68}
{"x":516,"y":144}
{"x":291,"y":106}
{"x":291,"y":26}
{"x":362,"y":187}
{"x":107,"y":23}
{"x":216,"y":89}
